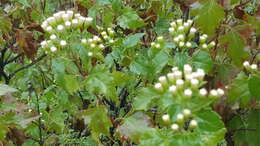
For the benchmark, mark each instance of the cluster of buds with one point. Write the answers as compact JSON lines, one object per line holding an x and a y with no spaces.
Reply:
{"x":179,"y":124}
{"x":159,"y":43}
{"x":108,"y":35}
{"x":183,"y":34}
{"x":252,"y":67}
{"x":59,"y":23}
{"x":94,"y":44}
{"x":185,"y":83}
{"x":64,"y":20}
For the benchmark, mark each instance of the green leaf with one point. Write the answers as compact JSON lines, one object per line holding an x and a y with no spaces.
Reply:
{"x":236,"y":46}
{"x":210,"y":16}
{"x":180,"y":59}
{"x":239,"y":90}
{"x":98,"y":121}
{"x":130,"y":19}
{"x":144,"y":98}
{"x":132,"y":40}
{"x":202,"y":59}
{"x":100,"y":81}
{"x":5,"y":89}
{"x":148,"y":67}
{"x":25,"y":3}
{"x":135,"y":126}
{"x":72,"y":84}
{"x":246,"y":128}
{"x":254,"y":86}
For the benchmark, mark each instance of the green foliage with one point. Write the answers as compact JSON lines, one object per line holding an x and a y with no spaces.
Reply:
{"x":213,"y":13}
{"x":120,"y":72}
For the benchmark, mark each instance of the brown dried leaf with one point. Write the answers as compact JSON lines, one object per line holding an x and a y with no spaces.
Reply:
{"x":26,"y":43}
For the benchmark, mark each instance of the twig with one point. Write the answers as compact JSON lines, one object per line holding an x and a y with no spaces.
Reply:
{"x":13,"y":59}
{"x":27,"y":66}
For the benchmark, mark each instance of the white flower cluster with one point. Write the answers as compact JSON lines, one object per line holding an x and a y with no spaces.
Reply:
{"x":181,"y":118}
{"x":158,"y":43}
{"x":186,"y":83}
{"x":247,"y":65}
{"x":94,"y":43}
{"x":183,"y":33}
{"x":63,"y":20}
{"x":59,"y":23}
{"x":108,"y":35}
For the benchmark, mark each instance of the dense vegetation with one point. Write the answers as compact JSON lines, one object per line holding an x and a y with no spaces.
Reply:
{"x":130,"y":72}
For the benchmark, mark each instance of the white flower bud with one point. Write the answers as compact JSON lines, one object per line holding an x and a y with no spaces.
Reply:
{"x":103,"y":33}
{"x":246,"y":64}
{"x":51,"y":20}
{"x":63,"y":43}
{"x":172,"y":89}
{"x":254,"y":66}
{"x":88,"y":20}
{"x":43,"y":44}
{"x":220,"y":92}
{"x":188,"y":44}
{"x":90,"y":54}
{"x":53,"y":37}
{"x":30,"y":110}
{"x":192,"y":30}
{"x":75,"y":21}
{"x":84,"y":41}
{"x":92,"y":45}
{"x":193,"y":124}
{"x":178,"y":74}
{"x":160,"y":38}
{"x":171,"y":76}
{"x":179,"y":83}
{"x":67,"y":23}
{"x":65,"y":17}
{"x":181,"y":44}
{"x":158,"y":86}
{"x":173,"y":24}
{"x":186,"y":112}
{"x":202,"y":39}
{"x":77,"y":15}
{"x":180,"y":28}
{"x":81,"y":19}
{"x":162,"y":79}
{"x":101,"y":46}
{"x":212,"y":44}
{"x":176,"y":39}
{"x":157,"y":46}
{"x":153,"y":44}
{"x":189,"y":21}
{"x":187,"y":92}
{"x":214,"y":93}
{"x":166,"y":118}
{"x":188,"y":77}
{"x":180,"y":117}
{"x":60,"y":27}
{"x":181,"y":37}
{"x":205,"y":36}
{"x":194,"y":82}
{"x":203,"y":92}
{"x":204,"y":46}
{"x":171,"y":29}
{"x":111,"y":41}
{"x":186,"y":24}
{"x":175,"y":69}
{"x":179,"y":21}
{"x":187,"y":69}
{"x":53,"y":49}
{"x":200,"y":73}
{"x":57,"y":15}
{"x":90,"y":40}
{"x":70,"y":13}
{"x":175,"y":127}
{"x":96,"y":38}
{"x":49,"y":29}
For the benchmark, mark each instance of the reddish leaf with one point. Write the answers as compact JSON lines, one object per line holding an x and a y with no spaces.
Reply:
{"x":26,"y":43}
